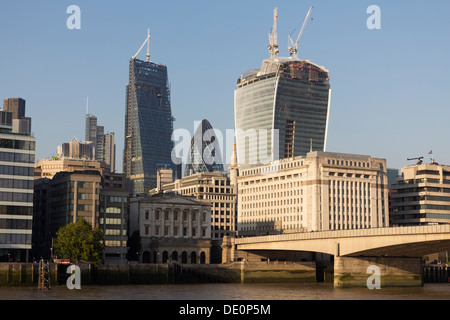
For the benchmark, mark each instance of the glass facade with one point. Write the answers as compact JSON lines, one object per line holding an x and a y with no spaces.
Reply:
{"x":17,"y":153}
{"x":204,"y":154}
{"x":281,"y":111}
{"x":148,"y":125}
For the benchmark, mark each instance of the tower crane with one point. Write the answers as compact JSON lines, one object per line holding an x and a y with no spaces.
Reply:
{"x":147,"y":40}
{"x":293,"y":47}
{"x":273,"y":37}
{"x":419,"y":160}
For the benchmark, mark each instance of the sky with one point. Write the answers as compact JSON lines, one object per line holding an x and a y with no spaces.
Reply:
{"x":390,"y":86}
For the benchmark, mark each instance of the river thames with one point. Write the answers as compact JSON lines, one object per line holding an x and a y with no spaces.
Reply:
{"x":229,"y":292}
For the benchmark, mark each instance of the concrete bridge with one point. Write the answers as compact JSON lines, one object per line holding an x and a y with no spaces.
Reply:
{"x":397,"y":251}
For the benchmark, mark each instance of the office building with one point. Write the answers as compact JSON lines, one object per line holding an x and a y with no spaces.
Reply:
{"x":421,"y":195}
{"x":215,"y":188}
{"x":317,"y":192}
{"x":101,"y":199}
{"x":148,"y":124}
{"x":48,"y":168}
{"x":76,"y":149}
{"x":13,"y":115}
{"x":104,"y":148}
{"x":172,"y":228}
{"x":204,"y":154}
{"x":17,"y":154}
{"x":281,"y":109}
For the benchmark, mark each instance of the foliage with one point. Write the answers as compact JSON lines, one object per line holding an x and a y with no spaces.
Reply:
{"x":79,"y":241}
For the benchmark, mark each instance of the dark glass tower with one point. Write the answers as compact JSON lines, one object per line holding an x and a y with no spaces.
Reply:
{"x":204,"y":154}
{"x":148,"y":125}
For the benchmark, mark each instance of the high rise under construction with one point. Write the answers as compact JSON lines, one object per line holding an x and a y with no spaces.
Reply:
{"x":281,"y":109}
{"x":148,"y":123}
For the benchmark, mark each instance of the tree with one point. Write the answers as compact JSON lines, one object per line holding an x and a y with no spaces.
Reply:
{"x":79,"y":241}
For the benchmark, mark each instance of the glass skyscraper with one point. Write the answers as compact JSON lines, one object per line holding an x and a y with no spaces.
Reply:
{"x":204,"y":154}
{"x":148,"y":125}
{"x":281,"y":111}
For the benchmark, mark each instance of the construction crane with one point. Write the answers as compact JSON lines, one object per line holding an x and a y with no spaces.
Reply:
{"x":419,"y":160}
{"x":147,"y":40}
{"x":273,"y":37}
{"x":293,"y":47}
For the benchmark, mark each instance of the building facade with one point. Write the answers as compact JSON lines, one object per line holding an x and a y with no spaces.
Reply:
{"x":48,"y":168}
{"x":104,"y":149}
{"x":281,"y":111}
{"x":148,"y":125}
{"x":172,"y":228}
{"x":214,"y":187}
{"x":318,"y":192}
{"x":421,"y":195}
{"x":17,"y":154}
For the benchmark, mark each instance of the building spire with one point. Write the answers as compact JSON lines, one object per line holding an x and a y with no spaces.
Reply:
{"x":87,"y":106}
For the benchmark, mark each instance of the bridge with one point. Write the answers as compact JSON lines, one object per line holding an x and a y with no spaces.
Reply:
{"x":396,"y":250}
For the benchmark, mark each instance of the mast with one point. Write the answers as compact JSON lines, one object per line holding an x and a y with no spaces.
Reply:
{"x":273,"y":37}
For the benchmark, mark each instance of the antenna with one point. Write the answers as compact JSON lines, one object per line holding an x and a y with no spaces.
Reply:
{"x":293,"y":48}
{"x":273,"y":37}
{"x":87,"y":106}
{"x":147,"y":40}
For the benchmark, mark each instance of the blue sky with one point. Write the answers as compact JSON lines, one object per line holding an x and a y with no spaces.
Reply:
{"x":390,"y":86}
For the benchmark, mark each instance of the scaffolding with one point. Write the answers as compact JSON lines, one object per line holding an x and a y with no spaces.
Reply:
{"x":44,"y":275}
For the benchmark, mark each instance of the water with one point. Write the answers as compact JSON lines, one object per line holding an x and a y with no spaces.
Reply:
{"x":243,"y":292}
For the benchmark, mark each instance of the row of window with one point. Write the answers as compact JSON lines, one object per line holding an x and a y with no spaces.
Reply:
{"x":16,"y":184}
{"x":16,"y":171}
{"x":16,"y":157}
{"x":164,"y":231}
{"x":16,"y":197}
{"x":15,"y":224}
{"x":8,"y":238}
{"x":17,"y":144}
{"x":16,"y":210}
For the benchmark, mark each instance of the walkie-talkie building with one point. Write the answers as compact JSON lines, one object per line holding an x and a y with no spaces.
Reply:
{"x":148,"y":124}
{"x":281,"y":109}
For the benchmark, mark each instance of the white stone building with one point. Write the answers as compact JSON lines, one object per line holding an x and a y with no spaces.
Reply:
{"x":322,"y":191}
{"x":172,"y":228}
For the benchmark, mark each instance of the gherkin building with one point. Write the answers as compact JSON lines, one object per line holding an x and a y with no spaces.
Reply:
{"x":204,"y":154}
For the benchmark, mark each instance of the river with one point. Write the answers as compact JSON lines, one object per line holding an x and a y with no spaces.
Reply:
{"x":247,"y":292}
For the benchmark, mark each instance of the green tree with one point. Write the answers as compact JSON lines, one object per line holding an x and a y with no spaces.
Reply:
{"x":79,"y":241}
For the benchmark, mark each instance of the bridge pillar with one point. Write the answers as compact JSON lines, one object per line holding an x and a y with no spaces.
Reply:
{"x":393,"y":271}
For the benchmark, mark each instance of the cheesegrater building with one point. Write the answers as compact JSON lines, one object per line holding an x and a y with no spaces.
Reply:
{"x":148,"y":124}
{"x":281,"y":109}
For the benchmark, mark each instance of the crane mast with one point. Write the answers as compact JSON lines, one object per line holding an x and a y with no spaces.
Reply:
{"x":147,"y":40}
{"x":273,"y":37}
{"x":293,"y":48}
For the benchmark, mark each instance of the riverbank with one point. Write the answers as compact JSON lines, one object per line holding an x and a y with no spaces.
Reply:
{"x":27,"y":274}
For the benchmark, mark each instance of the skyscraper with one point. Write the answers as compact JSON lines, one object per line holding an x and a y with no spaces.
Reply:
{"x":281,"y":109}
{"x":148,"y":124}
{"x":204,"y":154}
{"x":103,"y":143}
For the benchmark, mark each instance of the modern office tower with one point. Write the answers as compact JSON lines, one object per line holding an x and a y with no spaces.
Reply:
{"x":148,"y":124}
{"x":76,"y":149}
{"x":17,"y":154}
{"x":421,"y":195}
{"x":204,"y":154}
{"x":103,"y":143}
{"x":90,"y":131}
{"x":214,"y":187}
{"x":281,"y":109}
{"x":110,"y":151}
{"x":13,"y":114}
{"x":172,"y":228}
{"x":317,"y":192}
{"x":114,"y":209}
